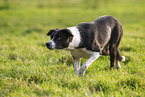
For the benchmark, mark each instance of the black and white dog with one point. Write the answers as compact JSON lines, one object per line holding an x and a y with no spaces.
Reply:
{"x":89,"y":40}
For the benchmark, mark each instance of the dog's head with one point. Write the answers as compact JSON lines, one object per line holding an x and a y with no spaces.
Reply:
{"x":60,"y":39}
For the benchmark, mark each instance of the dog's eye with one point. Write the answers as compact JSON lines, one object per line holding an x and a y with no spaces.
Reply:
{"x":58,"y":38}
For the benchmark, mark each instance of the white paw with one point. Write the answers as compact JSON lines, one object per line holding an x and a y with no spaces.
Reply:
{"x":123,"y":58}
{"x":81,"y":72}
{"x":118,"y":64}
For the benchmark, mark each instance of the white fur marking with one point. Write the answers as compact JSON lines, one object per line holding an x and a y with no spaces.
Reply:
{"x":76,"y":39}
{"x":77,"y":63}
{"x":84,"y":67}
{"x":52,"y":44}
{"x":123,"y":58}
{"x":117,"y":64}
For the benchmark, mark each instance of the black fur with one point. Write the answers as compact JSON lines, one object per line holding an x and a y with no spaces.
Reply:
{"x":95,"y":36}
{"x":62,"y":38}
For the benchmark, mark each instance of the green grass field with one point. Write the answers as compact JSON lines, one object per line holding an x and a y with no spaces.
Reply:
{"x":28,"y":69}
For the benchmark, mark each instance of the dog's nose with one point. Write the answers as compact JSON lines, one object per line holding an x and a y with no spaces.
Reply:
{"x":47,"y":44}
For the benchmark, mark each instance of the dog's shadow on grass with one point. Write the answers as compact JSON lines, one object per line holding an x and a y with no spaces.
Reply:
{"x":127,"y":57}
{"x":66,"y":60}
{"x":127,"y":49}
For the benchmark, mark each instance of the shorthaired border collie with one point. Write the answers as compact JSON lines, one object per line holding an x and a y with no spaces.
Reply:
{"x":89,"y":40}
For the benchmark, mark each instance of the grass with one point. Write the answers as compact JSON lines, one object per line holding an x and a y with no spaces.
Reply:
{"x":27,"y":68}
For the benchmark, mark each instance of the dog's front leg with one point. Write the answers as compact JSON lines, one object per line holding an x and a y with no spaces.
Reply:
{"x":84,"y":67}
{"x":77,"y":63}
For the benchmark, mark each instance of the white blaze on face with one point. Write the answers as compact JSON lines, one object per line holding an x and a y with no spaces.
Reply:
{"x":76,"y":37}
{"x":52,"y":44}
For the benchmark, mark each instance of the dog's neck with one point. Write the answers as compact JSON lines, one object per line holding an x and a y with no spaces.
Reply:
{"x":76,"y":37}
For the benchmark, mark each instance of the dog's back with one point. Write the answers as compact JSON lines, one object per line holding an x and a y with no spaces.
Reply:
{"x":97,"y":34}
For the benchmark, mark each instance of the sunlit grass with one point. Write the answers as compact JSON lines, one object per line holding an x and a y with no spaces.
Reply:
{"x":27,"y":68}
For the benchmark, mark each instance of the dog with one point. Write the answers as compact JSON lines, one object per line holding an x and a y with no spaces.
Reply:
{"x":89,"y":40}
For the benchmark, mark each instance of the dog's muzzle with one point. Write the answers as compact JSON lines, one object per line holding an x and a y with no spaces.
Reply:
{"x":50,"y":45}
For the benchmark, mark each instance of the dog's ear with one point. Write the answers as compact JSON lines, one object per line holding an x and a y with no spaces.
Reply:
{"x":51,"y":31}
{"x":67,"y":32}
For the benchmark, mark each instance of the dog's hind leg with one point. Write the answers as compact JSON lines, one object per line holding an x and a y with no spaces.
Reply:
{"x":113,"y":53}
{"x":114,"y":43}
{"x":119,"y":58}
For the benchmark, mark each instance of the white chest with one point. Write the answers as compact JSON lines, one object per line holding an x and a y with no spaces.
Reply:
{"x":81,"y":53}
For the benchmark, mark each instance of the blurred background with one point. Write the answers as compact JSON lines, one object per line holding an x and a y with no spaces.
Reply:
{"x":42,"y":15}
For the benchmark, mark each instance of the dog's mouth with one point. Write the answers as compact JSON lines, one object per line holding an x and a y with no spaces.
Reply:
{"x":50,"y":48}
{"x":57,"y":48}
